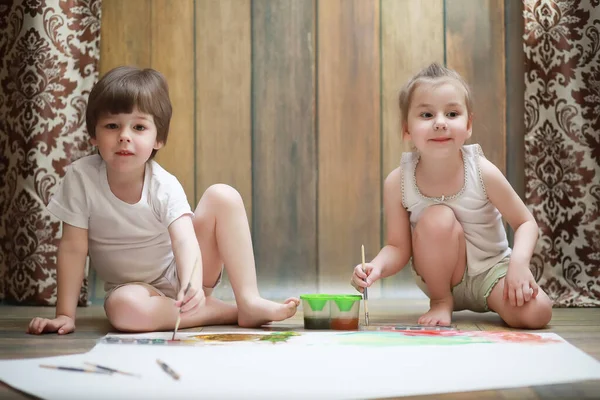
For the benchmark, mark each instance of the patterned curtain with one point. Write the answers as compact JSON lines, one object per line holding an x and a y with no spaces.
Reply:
{"x":562,"y":145}
{"x":49,"y":51}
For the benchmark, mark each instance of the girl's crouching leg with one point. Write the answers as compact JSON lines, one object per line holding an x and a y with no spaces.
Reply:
{"x":535,"y":314}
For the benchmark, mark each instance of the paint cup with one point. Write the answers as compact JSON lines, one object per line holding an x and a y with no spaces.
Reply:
{"x":344,"y":312}
{"x":316,"y":310}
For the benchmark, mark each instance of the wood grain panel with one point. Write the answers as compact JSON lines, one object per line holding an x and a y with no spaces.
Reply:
{"x":349,"y":139}
{"x":223,"y":101}
{"x":173,"y":55}
{"x":475,"y":48}
{"x":515,"y":101}
{"x":284,"y":157}
{"x":223,"y":66}
{"x":125,"y":40}
{"x":405,"y":49}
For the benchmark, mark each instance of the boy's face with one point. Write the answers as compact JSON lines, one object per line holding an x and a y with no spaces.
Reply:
{"x":438,"y":122}
{"x":126,"y":141}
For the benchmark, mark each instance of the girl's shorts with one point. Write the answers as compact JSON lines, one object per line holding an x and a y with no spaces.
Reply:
{"x":472,"y":291}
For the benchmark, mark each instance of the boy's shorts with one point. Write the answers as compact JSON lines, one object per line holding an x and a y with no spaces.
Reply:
{"x":167,"y":285}
{"x":472,"y":291}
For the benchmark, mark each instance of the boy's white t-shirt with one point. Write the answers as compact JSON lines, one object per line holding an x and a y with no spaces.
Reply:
{"x":127,"y":242}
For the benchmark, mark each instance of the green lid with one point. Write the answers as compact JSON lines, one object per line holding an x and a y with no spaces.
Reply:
{"x":316,"y":301}
{"x":346,"y":302}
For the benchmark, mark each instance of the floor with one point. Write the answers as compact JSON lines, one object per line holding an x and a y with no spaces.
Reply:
{"x":581,"y":327}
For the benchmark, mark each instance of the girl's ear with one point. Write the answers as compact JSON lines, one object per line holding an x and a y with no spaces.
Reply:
{"x":470,"y":126}
{"x":405,"y":134}
{"x":158,"y":145}
{"x":93,"y":141}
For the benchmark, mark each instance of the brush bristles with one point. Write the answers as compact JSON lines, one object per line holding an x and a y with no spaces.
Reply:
{"x":176,"y":326}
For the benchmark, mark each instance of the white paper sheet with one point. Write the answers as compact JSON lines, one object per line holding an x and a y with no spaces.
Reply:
{"x":313,"y":365}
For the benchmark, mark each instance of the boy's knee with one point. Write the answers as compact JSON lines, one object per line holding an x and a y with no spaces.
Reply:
{"x":436,"y":221}
{"x":124,"y":312}
{"x":223,"y":194}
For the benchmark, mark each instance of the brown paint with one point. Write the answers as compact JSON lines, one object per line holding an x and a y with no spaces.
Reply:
{"x":344,"y":324}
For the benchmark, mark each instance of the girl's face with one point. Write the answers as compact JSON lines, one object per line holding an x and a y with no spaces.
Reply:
{"x":438,"y":121}
{"x":126,"y":141}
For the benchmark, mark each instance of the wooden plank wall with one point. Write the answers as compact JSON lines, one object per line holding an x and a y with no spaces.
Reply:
{"x":294,"y":103}
{"x":285,"y":147}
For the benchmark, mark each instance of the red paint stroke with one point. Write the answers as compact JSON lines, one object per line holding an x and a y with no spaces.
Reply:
{"x":495,"y":336}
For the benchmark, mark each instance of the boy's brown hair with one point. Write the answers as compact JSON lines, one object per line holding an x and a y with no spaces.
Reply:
{"x":433,"y":73}
{"x":124,"y":88}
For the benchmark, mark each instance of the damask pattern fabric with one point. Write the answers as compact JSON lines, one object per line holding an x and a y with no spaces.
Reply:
{"x":49,"y":52}
{"x":562,"y":146}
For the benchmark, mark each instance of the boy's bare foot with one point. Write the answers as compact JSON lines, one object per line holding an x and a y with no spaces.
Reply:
{"x":440,"y":312}
{"x":259,"y":311}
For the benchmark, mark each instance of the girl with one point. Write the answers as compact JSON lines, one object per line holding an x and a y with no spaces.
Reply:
{"x":444,"y":206}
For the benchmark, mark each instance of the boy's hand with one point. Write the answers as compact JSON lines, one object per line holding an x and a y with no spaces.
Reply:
{"x":519,"y":286}
{"x":190,"y":300}
{"x":62,"y":324}
{"x":361,"y":279}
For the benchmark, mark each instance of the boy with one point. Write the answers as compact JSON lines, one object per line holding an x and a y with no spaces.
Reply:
{"x":133,"y":219}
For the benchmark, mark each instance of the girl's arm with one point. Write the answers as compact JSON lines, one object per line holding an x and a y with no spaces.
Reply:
{"x":520,"y":285}
{"x":398,"y":249}
{"x":513,"y":210}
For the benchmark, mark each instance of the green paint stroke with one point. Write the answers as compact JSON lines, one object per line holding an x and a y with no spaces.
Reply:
{"x":382,"y":339}
{"x":278,"y":337}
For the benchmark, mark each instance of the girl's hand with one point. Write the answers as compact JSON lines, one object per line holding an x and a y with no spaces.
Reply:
{"x":191,"y":299}
{"x":519,"y":286}
{"x":62,"y":324}
{"x":362,"y":279}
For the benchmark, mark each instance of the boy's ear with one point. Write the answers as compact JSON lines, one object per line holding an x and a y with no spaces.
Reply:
{"x":93,"y":141}
{"x":158,"y":145}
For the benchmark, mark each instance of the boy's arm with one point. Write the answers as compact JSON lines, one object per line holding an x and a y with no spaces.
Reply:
{"x":72,"y":251}
{"x":186,"y":251}
{"x":396,"y":253}
{"x":513,"y":210}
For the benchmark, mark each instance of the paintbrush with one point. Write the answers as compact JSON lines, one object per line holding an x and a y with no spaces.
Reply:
{"x":187,"y":288}
{"x":168,"y":369}
{"x":111,"y":370}
{"x":366,"y":293}
{"x":76,"y":369}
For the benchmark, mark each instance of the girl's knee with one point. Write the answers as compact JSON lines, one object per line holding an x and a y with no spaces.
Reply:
{"x":534,"y":315}
{"x":437,"y":221}
{"x":541,"y":314}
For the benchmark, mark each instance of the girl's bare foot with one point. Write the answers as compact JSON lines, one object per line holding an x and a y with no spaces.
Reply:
{"x":440,"y":312}
{"x":259,"y":311}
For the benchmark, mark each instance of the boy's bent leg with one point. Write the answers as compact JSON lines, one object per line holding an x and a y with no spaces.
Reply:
{"x":139,"y":308}
{"x":439,"y":255}
{"x":224,"y":236}
{"x":535,"y":314}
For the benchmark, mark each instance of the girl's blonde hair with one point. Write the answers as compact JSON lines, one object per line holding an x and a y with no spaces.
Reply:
{"x":434,"y":73}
